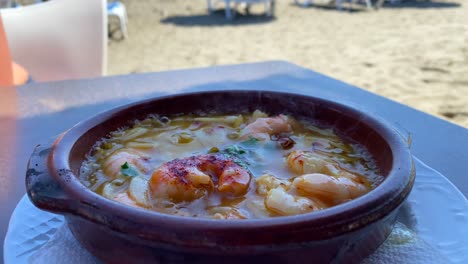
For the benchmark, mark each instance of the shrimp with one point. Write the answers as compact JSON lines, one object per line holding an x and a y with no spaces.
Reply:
{"x":304,"y":162}
{"x":277,"y":198}
{"x":225,"y":212}
{"x":266,"y":182}
{"x":283,"y":203}
{"x":191,"y":178}
{"x":263,"y":127}
{"x":113,"y":163}
{"x":332,"y":190}
{"x":324,"y":179}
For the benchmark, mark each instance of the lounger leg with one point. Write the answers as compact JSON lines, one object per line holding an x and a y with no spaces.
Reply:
{"x":303,"y":3}
{"x":368,"y":4}
{"x":379,"y":4}
{"x":270,"y":8}
{"x":210,"y":6}
{"x":267,"y":8}
{"x":229,"y":14}
{"x":235,"y":8}
{"x":123,"y":25}
{"x":247,"y":9}
{"x":338,"y":5}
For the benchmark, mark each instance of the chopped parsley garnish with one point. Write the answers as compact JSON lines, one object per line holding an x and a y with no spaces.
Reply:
{"x":236,"y":153}
{"x":234,"y":150}
{"x":242,"y":148}
{"x":250,"y":142}
{"x":128,"y":170}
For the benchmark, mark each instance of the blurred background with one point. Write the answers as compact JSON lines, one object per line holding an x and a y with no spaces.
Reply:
{"x":412,"y":51}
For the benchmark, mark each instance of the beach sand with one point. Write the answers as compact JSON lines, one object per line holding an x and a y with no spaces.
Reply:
{"x":415,"y":52}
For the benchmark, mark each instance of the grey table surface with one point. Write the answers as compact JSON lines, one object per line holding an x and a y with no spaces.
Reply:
{"x":44,"y":110}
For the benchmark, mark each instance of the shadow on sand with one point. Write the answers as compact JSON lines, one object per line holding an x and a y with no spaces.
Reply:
{"x":330,"y":6}
{"x":217,"y":18}
{"x":422,"y":4}
{"x":360,"y":6}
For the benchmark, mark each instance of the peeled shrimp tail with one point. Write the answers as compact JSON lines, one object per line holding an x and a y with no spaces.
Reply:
{"x":193,"y":177}
{"x":113,"y":164}
{"x":328,"y":188}
{"x":262,"y":128}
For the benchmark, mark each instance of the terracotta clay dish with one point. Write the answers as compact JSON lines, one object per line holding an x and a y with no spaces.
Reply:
{"x":118,"y":233}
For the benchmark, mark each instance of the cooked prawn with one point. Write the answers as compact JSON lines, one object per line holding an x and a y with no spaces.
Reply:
{"x":283,"y":203}
{"x":302,"y":162}
{"x":263,"y":127}
{"x":329,"y":189}
{"x":278,"y":199}
{"x":305,"y":162}
{"x":267,"y":182}
{"x":191,"y":178}
{"x":113,"y":163}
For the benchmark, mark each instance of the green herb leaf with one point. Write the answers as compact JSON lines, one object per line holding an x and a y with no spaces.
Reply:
{"x":250,"y":142}
{"x":241,"y":163}
{"x":239,"y":160}
{"x":234,"y":150}
{"x":239,"y":150}
{"x":128,"y":170}
{"x":236,"y":154}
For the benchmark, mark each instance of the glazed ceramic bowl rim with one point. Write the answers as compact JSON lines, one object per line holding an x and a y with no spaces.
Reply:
{"x":396,"y":185}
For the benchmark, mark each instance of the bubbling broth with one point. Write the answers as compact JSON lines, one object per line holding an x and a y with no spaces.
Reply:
{"x":228,"y":166}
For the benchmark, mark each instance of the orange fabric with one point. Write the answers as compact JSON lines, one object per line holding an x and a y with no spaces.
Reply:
{"x":20,"y":75}
{"x":11,"y":73}
{"x":6,"y":69}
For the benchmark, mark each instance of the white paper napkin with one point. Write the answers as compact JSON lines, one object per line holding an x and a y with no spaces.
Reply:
{"x":63,"y":246}
{"x":402,"y":246}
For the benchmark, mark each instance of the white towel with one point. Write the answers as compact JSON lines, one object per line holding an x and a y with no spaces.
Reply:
{"x":402,"y":246}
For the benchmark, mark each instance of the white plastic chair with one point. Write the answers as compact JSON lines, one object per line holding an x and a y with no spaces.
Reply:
{"x":269,"y":6}
{"x":117,"y":9}
{"x":6,"y":3}
{"x":59,"y":39}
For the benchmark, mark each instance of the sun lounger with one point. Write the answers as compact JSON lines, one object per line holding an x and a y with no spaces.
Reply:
{"x":117,"y":10}
{"x":230,"y":13}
